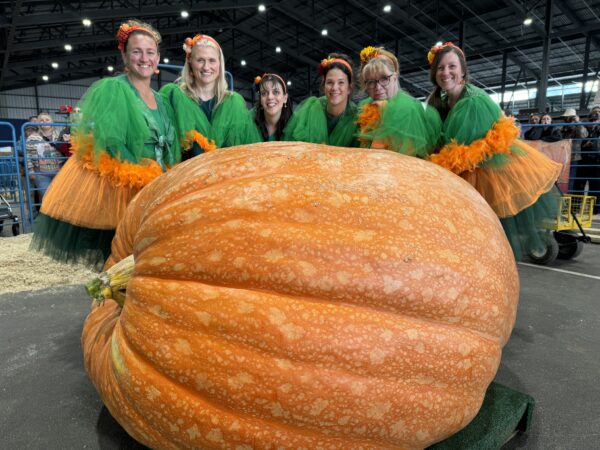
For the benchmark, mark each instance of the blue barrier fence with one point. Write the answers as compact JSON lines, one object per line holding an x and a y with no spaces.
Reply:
{"x":11,"y":192}
{"x":42,"y":160}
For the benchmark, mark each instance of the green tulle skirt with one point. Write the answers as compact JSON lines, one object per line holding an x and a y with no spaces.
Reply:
{"x":69,"y":243}
{"x":530,"y":229}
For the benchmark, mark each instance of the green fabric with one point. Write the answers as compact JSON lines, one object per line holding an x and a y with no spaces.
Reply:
{"x":406,"y":126}
{"x":529,"y":230}
{"x":70,"y":243}
{"x":123,"y":126}
{"x":471,"y":118}
{"x":231,"y":122}
{"x":309,"y":124}
{"x":503,"y":412}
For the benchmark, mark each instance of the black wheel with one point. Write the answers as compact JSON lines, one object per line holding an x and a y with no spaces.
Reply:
{"x":569,"y":246}
{"x":15,"y":229}
{"x":547,"y":255}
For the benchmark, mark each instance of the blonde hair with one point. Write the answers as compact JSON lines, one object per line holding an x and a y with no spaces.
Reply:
{"x":382,"y":62}
{"x":186,"y":79}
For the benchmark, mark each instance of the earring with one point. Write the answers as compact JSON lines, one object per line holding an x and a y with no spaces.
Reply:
{"x":285,"y":105}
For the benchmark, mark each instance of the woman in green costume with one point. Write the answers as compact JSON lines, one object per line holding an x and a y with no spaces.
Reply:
{"x":481,"y":145}
{"x":390,"y":118}
{"x":207,"y":115}
{"x":124,"y":140}
{"x":329,"y":119}
{"x":273,"y":108}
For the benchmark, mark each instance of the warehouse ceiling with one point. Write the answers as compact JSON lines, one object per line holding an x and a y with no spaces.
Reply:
{"x":493,"y":35}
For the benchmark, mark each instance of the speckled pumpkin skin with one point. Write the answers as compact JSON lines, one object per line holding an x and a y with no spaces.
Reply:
{"x":291,"y":295}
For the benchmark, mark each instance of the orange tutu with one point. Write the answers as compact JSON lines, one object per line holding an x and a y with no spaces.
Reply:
{"x":83,"y":198}
{"x":518,"y":184}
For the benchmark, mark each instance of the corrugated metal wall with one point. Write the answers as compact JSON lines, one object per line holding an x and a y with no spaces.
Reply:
{"x":21,"y":103}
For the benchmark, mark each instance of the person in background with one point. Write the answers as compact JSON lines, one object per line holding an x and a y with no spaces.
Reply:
{"x":273,"y":108}
{"x":546,"y":133}
{"x":125,"y":139}
{"x":588,"y":170}
{"x":481,"y":145}
{"x":574,"y":132}
{"x":43,"y":159}
{"x":207,"y":114}
{"x":534,"y":119}
{"x":391,"y":118}
{"x":330,"y":119}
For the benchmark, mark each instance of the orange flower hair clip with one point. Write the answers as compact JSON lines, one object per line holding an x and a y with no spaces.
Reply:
{"x":368,"y":53}
{"x":189,"y":43}
{"x":258,"y":79}
{"x":436,"y":48}
{"x":125,"y":30}
{"x":328,"y":61}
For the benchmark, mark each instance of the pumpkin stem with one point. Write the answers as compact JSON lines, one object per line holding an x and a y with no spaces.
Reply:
{"x":112,"y":283}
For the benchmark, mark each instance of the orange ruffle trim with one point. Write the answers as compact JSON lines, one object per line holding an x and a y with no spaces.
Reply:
{"x":459,"y":158}
{"x":368,"y":117}
{"x":118,"y":173}
{"x":193,"y":136}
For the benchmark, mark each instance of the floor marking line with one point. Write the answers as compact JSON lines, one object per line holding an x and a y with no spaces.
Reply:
{"x":560,"y":270}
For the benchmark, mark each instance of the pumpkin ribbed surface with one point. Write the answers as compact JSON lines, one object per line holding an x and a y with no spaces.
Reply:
{"x":292,"y":295}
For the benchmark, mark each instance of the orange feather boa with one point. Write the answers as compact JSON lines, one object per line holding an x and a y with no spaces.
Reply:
{"x":459,"y":158}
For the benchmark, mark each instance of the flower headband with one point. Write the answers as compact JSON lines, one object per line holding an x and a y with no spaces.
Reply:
{"x":189,"y":43}
{"x":436,"y":48}
{"x":327,"y":61}
{"x":125,"y":30}
{"x":259,"y":79}
{"x":367,"y":54}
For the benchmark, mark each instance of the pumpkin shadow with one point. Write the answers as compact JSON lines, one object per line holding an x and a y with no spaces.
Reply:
{"x":112,"y":436}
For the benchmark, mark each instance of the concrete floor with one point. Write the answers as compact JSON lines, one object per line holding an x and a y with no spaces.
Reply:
{"x":47,"y":402}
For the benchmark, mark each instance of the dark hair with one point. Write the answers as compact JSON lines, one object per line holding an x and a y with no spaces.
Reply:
{"x":434,"y":98}
{"x":286,"y":112}
{"x":325,"y":68}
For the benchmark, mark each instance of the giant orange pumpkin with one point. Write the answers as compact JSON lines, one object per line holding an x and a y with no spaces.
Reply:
{"x":291,"y":295}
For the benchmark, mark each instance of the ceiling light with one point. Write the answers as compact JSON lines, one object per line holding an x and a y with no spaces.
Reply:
{"x":324,"y":32}
{"x":185,"y":14}
{"x":86,"y":22}
{"x":68,"y":47}
{"x":45,"y":77}
{"x":528,"y":21}
{"x":278,"y":49}
{"x":387,"y":8}
{"x":262,"y":8}
{"x":110,"y":68}
{"x":54,"y":65}
{"x":289,"y":83}
{"x":243,"y":62}
{"x":438,"y":43}
{"x":166,"y":60}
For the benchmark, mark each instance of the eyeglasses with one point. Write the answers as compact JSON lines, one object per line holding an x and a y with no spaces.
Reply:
{"x":383,"y":82}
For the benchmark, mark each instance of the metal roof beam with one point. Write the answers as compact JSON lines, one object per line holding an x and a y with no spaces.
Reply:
{"x":35,"y":20}
{"x":9,"y":42}
{"x":95,"y":39}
